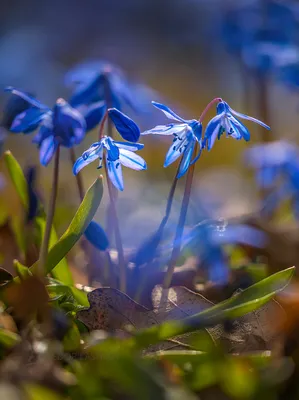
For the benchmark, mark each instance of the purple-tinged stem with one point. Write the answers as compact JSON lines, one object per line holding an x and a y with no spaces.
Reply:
{"x":50,"y":216}
{"x":184,"y":208}
{"x":78,"y":176}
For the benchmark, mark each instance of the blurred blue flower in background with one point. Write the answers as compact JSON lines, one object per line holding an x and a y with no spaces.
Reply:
{"x":62,"y":125}
{"x":277,"y":166}
{"x":117,"y":154}
{"x":225,"y":121}
{"x":186,"y":134}
{"x":97,"y":81}
{"x":207,"y":239}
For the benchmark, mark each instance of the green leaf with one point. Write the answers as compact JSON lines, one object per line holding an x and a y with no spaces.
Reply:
{"x":22,"y":271}
{"x":244,"y":302}
{"x":80,"y":222}
{"x":71,"y":341}
{"x":62,"y":271}
{"x":17,"y":177}
{"x":8,"y":339}
{"x":56,"y":288}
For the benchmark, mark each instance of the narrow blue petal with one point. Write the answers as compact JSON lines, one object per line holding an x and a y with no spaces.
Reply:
{"x":131,"y":160}
{"x":240,"y":234}
{"x":124,"y":125}
{"x":47,"y":150}
{"x":196,"y":129}
{"x":112,"y":149}
{"x":212,"y":130}
{"x":89,"y":92}
{"x":129,"y":146}
{"x":96,"y":235}
{"x":94,"y":115}
{"x":170,"y":129}
{"x":115,"y":173}
{"x":186,"y":158}
{"x":249,"y":118}
{"x":176,"y":149}
{"x":239,"y":128}
{"x":168,"y":112}
{"x":26,"y":97}
{"x":27,"y":121}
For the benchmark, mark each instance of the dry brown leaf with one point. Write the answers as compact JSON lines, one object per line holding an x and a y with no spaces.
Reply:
{"x":112,"y":310}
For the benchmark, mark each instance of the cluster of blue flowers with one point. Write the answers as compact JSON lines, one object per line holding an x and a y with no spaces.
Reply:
{"x":66,"y":126}
{"x":103,"y":93}
{"x":264,"y":34}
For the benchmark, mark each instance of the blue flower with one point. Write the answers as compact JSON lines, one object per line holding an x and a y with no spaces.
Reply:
{"x":117,"y":154}
{"x":277,"y":169}
{"x":103,"y":81}
{"x":208,"y":238}
{"x":186,"y":134}
{"x":124,"y":125}
{"x":93,"y":113}
{"x":225,"y":121}
{"x":62,"y":125}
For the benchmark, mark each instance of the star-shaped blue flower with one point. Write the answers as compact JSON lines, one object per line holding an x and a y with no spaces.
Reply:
{"x":62,"y":125}
{"x":226,"y":121}
{"x":116,"y":155}
{"x":186,"y":134}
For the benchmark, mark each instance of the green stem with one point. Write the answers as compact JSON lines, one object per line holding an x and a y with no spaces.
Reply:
{"x":50,"y":216}
{"x":118,"y":241}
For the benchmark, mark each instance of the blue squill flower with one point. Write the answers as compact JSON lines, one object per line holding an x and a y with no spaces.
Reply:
{"x":186,"y":134}
{"x":208,"y":238}
{"x":226,"y":121}
{"x":62,"y":125}
{"x":93,"y":113}
{"x":103,"y":81}
{"x":116,"y":155}
{"x":277,"y":169}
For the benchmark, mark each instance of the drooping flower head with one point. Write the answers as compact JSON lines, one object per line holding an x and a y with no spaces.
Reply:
{"x":226,"y":122}
{"x":61,"y":125}
{"x":101,"y":81}
{"x":116,"y":155}
{"x":186,"y":133}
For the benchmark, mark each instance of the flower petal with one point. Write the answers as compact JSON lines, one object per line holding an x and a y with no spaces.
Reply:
{"x":125,"y":125}
{"x":115,"y":173}
{"x":47,"y":150}
{"x":212,"y":130}
{"x":175,"y":150}
{"x":27,"y":121}
{"x":96,"y":235}
{"x":94,"y":114}
{"x":257,"y":121}
{"x":186,"y":158}
{"x":26,"y":97}
{"x":237,"y":130}
{"x":168,"y":112}
{"x":240,"y":234}
{"x":112,"y":149}
{"x":131,"y":160}
{"x":129,"y":146}
{"x":170,"y":129}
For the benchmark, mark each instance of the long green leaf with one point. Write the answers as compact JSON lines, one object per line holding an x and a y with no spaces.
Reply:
{"x":61,"y":271}
{"x":77,"y":227}
{"x":247,"y":301}
{"x":8,"y":339}
{"x":17,"y":177}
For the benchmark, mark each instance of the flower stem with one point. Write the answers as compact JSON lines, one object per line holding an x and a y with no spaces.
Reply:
{"x":50,"y":216}
{"x":180,"y":227}
{"x":183,"y":213}
{"x":118,"y":241}
{"x":78,"y":176}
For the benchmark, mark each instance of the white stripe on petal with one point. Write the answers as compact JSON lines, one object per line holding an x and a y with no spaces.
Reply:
{"x":115,"y":173}
{"x":166,"y":129}
{"x":175,"y":150}
{"x":131,"y":160}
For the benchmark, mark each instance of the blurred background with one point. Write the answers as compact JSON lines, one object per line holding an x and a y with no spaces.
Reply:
{"x":176,"y":47}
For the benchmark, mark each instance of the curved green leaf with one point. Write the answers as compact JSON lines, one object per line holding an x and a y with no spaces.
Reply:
{"x":17,"y":177}
{"x":8,"y":339}
{"x":78,"y":225}
{"x":244,"y":302}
